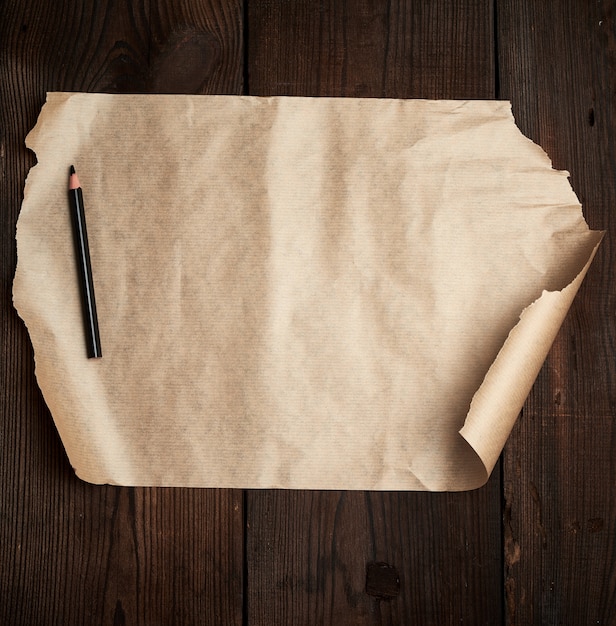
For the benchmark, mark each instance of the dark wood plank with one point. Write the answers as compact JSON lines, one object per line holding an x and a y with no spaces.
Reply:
{"x":369,"y":48}
{"x":70,"y":552}
{"x":309,"y":554}
{"x":558,"y":66}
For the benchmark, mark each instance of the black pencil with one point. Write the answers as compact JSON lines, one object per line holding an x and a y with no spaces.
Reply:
{"x":84,"y":269}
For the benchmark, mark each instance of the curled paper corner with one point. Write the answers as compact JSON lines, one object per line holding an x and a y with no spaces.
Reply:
{"x":497,"y":403}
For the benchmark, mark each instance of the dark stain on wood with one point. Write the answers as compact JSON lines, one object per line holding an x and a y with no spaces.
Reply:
{"x":382,"y":581}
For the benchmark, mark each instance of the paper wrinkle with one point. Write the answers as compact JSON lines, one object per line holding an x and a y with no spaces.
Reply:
{"x":295,"y":292}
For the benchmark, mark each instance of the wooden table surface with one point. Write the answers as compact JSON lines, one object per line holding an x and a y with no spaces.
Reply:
{"x":536,"y":545}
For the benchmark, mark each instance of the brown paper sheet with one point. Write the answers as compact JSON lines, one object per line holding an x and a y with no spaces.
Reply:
{"x":294,"y":292}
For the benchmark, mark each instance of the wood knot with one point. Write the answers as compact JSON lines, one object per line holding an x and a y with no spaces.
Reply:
{"x":382,"y":581}
{"x":184,"y":62}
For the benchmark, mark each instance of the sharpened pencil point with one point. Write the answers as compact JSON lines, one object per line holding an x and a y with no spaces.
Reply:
{"x":73,"y":181}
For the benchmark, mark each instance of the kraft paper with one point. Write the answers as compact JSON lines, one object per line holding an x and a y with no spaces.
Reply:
{"x":294,"y":292}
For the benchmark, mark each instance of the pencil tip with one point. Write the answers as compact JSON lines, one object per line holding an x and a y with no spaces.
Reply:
{"x":73,"y":181}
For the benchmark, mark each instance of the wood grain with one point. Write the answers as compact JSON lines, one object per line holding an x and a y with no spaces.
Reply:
{"x":309,"y":553}
{"x":308,"y":556}
{"x":368,"y":48}
{"x":558,"y":66}
{"x":537,"y":548}
{"x":73,"y":553}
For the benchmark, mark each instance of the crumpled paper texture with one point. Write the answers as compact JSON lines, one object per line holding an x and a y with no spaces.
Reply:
{"x":294,"y":292}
